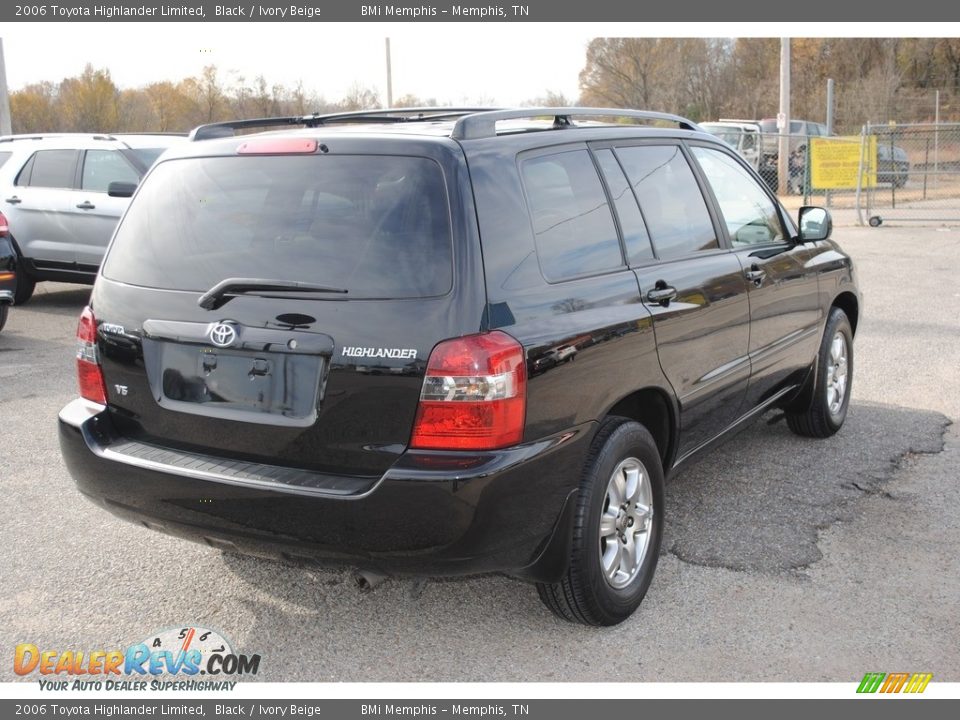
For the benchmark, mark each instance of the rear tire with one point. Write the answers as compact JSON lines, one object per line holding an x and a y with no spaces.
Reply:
{"x":618,"y":525}
{"x":24,"y":289}
{"x":3,"y":315}
{"x":831,"y":391}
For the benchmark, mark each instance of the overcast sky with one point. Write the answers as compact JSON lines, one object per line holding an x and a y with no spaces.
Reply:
{"x":494,"y":63}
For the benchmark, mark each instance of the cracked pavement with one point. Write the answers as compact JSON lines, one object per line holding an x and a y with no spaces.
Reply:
{"x":784,"y":558}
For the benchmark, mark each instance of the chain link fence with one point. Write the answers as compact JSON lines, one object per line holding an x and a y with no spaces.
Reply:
{"x":916,"y":173}
{"x":887,"y":173}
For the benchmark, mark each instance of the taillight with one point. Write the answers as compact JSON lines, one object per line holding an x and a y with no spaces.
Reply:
{"x":474,"y":395}
{"x":89,"y":373}
{"x":4,"y":226}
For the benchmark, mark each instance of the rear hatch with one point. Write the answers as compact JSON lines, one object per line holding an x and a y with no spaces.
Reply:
{"x":278,"y":304}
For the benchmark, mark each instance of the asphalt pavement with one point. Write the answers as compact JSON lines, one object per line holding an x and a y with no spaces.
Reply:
{"x":784,"y":558}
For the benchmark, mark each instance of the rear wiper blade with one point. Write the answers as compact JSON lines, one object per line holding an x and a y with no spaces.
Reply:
{"x":223,"y":291}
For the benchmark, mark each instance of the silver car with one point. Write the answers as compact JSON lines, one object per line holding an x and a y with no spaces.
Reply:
{"x":62,"y":196}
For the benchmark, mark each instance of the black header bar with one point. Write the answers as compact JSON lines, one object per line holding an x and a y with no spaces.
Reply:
{"x":824,"y":11}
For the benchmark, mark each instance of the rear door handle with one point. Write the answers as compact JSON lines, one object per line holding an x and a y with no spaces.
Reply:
{"x":662,"y":293}
{"x":14,"y":200}
{"x":86,"y":205}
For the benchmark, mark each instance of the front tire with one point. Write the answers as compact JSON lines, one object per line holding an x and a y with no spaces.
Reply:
{"x":618,"y":525}
{"x":831,"y":391}
{"x":3,"y":315}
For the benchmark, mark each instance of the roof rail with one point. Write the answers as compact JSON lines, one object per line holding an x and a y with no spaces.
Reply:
{"x":390,"y":115}
{"x":45,"y":136}
{"x":149,"y":133}
{"x":484,"y":124}
{"x":738,"y":120}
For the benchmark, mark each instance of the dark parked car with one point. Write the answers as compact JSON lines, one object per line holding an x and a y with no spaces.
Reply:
{"x":8,"y":271}
{"x":893,"y":165}
{"x":322,"y":344}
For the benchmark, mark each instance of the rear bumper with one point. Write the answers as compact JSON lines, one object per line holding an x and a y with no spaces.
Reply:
{"x":432,"y":513}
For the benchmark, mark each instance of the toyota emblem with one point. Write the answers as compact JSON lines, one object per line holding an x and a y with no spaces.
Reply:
{"x":223,"y":335}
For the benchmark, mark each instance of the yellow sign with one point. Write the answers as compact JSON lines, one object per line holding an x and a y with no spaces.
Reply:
{"x":834,"y":162}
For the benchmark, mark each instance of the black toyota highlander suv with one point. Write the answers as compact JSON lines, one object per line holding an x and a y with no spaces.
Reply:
{"x":443,"y":342}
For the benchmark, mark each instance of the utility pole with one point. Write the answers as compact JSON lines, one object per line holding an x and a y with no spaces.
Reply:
{"x":389,"y":78}
{"x":829,"y":106}
{"x":829,"y":125}
{"x":783,"y":119}
{"x":6,"y":127}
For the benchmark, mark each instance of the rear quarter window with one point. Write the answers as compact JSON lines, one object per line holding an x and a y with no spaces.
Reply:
{"x":50,"y":169}
{"x":572,"y":225}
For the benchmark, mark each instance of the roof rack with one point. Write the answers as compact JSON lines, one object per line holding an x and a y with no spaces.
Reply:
{"x":45,"y":136}
{"x":149,"y":133}
{"x":392,"y":115}
{"x":484,"y":124}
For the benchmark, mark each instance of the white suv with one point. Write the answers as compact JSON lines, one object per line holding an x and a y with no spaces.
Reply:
{"x":62,"y":196}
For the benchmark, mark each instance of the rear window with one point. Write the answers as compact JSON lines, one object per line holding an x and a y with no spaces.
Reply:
{"x":377,"y":226}
{"x":4,"y":156}
{"x":770,"y":126}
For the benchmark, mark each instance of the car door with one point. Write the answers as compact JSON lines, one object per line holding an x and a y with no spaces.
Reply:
{"x":785,"y":312}
{"x":36,"y":206}
{"x":693,"y":287}
{"x":94,"y":214}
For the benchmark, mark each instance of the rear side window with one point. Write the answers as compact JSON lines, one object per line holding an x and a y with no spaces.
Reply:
{"x":572,"y":224}
{"x":635,"y":235}
{"x":102,"y":167}
{"x":671,"y":201}
{"x":377,"y":226}
{"x":49,"y":168}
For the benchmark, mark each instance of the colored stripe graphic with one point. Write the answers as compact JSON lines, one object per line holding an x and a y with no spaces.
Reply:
{"x":870,"y":683}
{"x":894,"y":682}
{"x":918,"y":682}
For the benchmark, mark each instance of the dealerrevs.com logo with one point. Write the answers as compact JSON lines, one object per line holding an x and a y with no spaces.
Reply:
{"x":185,"y":658}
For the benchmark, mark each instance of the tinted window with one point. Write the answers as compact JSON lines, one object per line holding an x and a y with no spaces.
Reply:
{"x":102,"y":167}
{"x":51,"y":168}
{"x":635,"y":235}
{"x":574,"y":229}
{"x":670,"y":199}
{"x":377,"y":226}
{"x":148,"y":156}
{"x":750,"y":215}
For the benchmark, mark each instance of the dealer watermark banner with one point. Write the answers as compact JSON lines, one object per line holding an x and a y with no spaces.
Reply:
{"x":469,"y":11}
{"x":526,"y":709}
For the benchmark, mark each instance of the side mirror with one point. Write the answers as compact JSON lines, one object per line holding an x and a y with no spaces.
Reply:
{"x":121,"y":189}
{"x":815,"y":223}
